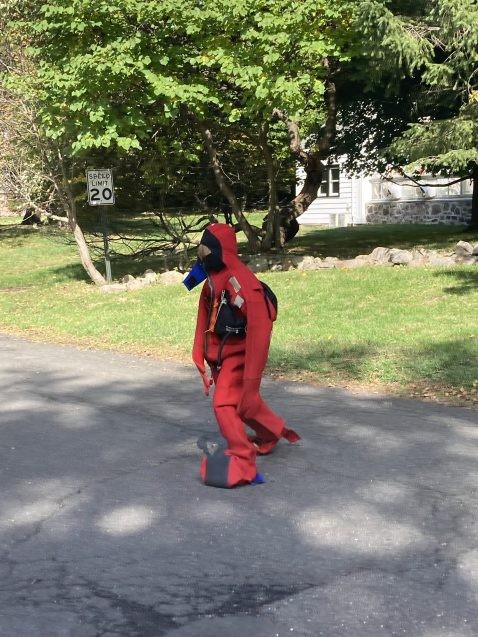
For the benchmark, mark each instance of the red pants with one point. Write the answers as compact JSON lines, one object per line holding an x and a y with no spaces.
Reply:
{"x":238,"y":401}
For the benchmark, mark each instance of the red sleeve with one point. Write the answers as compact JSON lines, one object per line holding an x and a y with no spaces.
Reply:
{"x":201,"y":326}
{"x":258,"y":336}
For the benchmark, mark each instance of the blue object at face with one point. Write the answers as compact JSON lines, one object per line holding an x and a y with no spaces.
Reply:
{"x":196,"y":276}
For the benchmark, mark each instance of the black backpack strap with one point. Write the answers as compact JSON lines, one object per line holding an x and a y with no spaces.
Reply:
{"x":269,"y":297}
{"x":267,"y":303}
{"x":219,"y":354}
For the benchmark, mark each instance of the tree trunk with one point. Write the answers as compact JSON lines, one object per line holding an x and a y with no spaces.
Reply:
{"x":314,"y":169}
{"x":70,"y":210}
{"x":226,"y":190}
{"x":312,"y":162}
{"x":272,"y":223}
{"x":86,"y":261}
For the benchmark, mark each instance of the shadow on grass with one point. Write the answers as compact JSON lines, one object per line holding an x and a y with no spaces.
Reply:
{"x":125,"y":264}
{"x":466,"y":280}
{"x":452,"y":363}
{"x":119,"y":268}
{"x":325,"y":359}
{"x":18,"y":235}
{"x":73,"y":272}
{"x":349,"y":242}
{"x":443,"y":366}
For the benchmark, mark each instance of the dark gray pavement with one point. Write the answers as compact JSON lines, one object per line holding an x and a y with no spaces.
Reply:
{"x":367,"y":527}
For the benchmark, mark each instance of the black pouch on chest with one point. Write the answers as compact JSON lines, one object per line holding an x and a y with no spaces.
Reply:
{"x":229,"y":321}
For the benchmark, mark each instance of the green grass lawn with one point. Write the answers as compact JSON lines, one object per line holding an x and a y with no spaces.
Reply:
{"x":347,"y":243}
{"x":408,"y":331}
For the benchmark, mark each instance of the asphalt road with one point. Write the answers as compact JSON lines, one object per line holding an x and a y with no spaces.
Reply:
{"x":367,"y":527}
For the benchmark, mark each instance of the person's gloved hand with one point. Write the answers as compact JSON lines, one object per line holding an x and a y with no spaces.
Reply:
{"x":207,"y":382}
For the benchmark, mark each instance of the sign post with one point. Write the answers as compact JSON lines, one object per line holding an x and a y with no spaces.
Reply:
{"x":101,"y":193}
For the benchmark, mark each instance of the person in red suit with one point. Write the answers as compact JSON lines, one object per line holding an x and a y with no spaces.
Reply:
{"x":233,"y":332}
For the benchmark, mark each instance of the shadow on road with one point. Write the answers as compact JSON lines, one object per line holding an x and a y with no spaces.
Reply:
{"x":368,"y":526}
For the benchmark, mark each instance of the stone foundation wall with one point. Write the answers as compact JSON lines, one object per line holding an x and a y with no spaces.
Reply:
{"x":463,"y":253}
{"x":446,"y":211}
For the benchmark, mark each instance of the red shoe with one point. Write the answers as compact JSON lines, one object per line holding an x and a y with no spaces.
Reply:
{"x":263,"y":448}
{"x":290,"y":435}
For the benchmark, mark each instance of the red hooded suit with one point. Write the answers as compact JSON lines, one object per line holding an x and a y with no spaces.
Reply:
{"x":237,"y":363}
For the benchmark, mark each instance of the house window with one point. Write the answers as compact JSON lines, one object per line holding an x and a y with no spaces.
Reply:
{"x":330,"y":186}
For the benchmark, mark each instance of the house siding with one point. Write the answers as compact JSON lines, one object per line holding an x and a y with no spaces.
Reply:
{"x":372,"y":199}
{"x":331,"y":210}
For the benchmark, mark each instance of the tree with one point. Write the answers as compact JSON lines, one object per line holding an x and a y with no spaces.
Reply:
{"x":111,"y":74}
{"x":449,"y":144}
{"x":36,"y":168}
{"x":37,"y":174}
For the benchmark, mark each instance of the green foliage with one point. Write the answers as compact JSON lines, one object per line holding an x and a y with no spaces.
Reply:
{"x":394,"y":43}
{"x":449,"y":143}
{"x":109,"y":73}
{"x":379,"y":88}
{"x":456,"y":42}
{"x":443,"y":145}
{"x":426,"y":113}
{"x":367,"y":125}
{"x":131,"y":79}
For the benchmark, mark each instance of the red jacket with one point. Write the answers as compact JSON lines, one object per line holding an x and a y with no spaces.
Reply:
{"x":248,"y":297}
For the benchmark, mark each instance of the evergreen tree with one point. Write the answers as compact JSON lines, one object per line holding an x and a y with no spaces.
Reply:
{"x":448,"y":144}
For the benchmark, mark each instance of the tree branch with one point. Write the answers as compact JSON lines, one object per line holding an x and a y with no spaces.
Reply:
{"x":416,"y":182}
{"x":294,"y":135}
{"x":330,"y":129}
{"x":224,"y":187}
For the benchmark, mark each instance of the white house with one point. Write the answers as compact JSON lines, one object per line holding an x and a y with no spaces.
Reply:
{"x":348,"y":200}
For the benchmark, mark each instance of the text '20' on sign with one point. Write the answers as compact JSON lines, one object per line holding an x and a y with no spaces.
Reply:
{"x":100,"y":187}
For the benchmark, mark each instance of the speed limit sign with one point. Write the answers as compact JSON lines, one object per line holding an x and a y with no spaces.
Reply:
{"x":100,"y":187}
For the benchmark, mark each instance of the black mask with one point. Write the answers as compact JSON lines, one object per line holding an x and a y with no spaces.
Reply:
{"x":212,"y":263}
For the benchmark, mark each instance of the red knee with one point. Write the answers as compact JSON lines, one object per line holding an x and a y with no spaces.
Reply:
{"x":249,"y":406}
{"x":250,"y":400}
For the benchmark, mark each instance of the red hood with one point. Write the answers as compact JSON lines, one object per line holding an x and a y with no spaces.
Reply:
{"x":220,"y":238}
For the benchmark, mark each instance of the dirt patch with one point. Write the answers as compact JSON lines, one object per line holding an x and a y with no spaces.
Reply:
{"x":15,"y":288}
